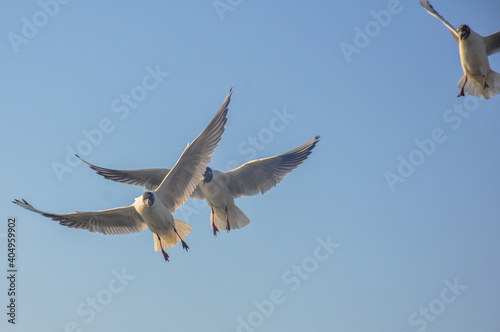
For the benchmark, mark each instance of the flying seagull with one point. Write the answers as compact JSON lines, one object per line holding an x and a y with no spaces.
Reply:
{"x":220,"y":189}
{"x":478,"y":80}
{"x":154,"y":208}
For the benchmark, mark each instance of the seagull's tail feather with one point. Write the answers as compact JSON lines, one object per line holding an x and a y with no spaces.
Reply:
{"x":493,"y":79}
{"x":170,"y":238}
{"x":475,"y":87}
{"x":237,"y":219}
{"x":471,"y":87}
{"x":182,"y":228}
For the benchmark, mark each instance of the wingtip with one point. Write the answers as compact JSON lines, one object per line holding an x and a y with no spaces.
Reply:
{"x":86,"y":162}
{"x":16,"y":201}
{"x":425,"y":4}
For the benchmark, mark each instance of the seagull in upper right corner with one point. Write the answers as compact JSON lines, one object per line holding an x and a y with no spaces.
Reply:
{"x":478,"y":80}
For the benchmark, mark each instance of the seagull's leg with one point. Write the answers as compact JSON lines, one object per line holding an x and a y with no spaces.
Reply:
{"x":213,"y":224}
{"x":228,"y":228}
{"x":165,"y":255}
{"x":184,"y":245}
{"x":463,"y":86}
{"x":485,"y":85}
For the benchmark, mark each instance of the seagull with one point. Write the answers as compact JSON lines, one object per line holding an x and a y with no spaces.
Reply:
{"x":154,"y":208}
{"x":220,"y":189}
{"x":478,"y":80}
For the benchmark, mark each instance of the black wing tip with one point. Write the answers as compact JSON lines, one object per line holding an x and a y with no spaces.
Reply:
{"x":312,"y":143}
{"x":228,"y":98}
{"x":299,"y":155}
{"x":22,"y":202}
{"x":16,"y":201}
{"x":229,"y":95}
{"x":425,"y":4}
{"x":86,"y":162}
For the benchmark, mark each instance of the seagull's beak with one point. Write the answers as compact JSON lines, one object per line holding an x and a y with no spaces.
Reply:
{"x":203,"y":179}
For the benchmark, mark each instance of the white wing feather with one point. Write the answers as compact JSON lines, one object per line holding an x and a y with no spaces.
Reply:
{"x":428,"y":7}
{"x":492,"y":43}
{"x":258,"y":176}
{"x":187,"y":172}
{"x":122,"y":220}
{"x":146,"y":178}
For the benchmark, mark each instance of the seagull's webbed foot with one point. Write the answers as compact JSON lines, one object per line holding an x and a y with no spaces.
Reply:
{"x":228,"y":228}
{"x":165,"y":255}
{"x":184,"y":245}
{"x":485,"y":85}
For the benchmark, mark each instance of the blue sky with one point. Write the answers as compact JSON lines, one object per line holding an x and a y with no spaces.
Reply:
{"x":335,"y":247}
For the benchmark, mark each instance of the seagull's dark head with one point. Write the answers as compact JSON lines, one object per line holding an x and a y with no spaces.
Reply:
{"x":463,"y":31}
{"x":148,"y":198}
{"x":207,"y":176}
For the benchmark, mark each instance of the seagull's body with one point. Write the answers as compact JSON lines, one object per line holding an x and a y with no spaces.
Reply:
{"x":484,"y":82}
{"x":479,"y":79}
{"x":154,"y":208}
{"x":218,"y":194}
{"x":168,"y":230}
{"x":220,"y":189}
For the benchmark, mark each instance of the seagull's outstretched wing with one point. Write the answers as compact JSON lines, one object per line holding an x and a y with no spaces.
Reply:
{"x":122,"y":220}
{"x":492,"y":43}
{"x":258,"y":176}
{"x":428,"y":7}
{"x":146,"y":178}
{"x":186,"y":173}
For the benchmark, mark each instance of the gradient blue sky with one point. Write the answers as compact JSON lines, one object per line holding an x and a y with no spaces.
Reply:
{"x":396,"y":250}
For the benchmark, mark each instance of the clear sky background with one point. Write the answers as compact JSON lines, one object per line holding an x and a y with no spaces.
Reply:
{"x":417,"y":252}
